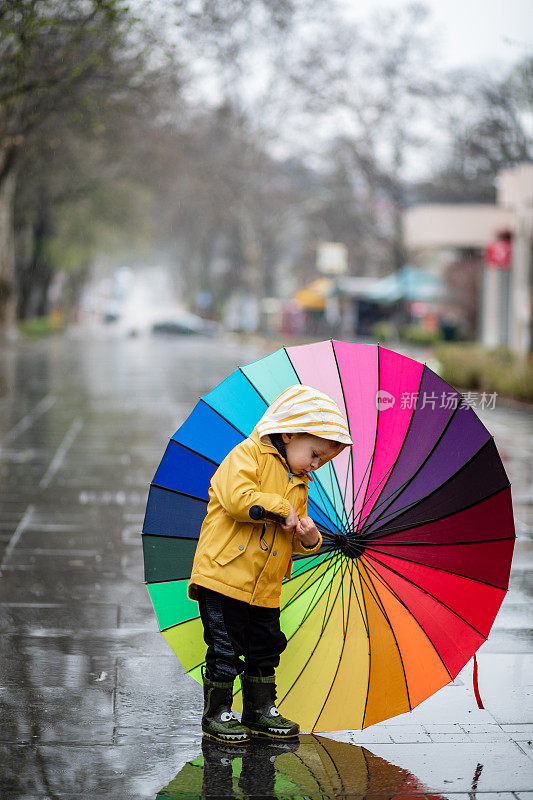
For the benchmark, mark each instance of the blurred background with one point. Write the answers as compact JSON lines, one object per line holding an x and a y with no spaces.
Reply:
{"x":291,"y":169}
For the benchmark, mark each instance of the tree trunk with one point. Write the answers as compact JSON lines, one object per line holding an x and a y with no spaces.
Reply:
{"x":34,"y":278}
{"x":8,"y":290}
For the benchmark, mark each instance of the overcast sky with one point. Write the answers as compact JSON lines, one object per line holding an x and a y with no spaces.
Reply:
{"x":473,"y":32}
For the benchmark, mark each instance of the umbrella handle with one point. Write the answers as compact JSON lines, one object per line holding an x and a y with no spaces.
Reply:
{"x":258,"y":513}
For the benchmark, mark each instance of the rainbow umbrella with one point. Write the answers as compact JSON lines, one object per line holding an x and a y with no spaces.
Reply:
{"x":421,"y":518}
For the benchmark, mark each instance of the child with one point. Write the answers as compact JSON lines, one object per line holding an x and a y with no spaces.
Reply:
{"x":240,"y":564}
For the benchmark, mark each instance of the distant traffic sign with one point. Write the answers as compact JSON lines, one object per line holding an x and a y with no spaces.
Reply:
{"x":498,"y":254}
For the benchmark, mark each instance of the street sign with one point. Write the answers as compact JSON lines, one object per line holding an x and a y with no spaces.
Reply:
{"x":332,"y":258}
{"x":498,"y":254}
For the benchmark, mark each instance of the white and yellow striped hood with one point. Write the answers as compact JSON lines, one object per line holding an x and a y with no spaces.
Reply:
{"x":302,"y":409}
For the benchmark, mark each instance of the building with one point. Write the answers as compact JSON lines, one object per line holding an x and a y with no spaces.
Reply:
{"x":436,"y":232}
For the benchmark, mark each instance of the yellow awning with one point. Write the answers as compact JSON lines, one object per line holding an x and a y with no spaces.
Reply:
{"x":314,"y":295}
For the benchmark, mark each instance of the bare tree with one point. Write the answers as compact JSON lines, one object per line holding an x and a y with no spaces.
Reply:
{"x":373,"y":83}
{"x":489,"y":122}
{"x":62,"y":63}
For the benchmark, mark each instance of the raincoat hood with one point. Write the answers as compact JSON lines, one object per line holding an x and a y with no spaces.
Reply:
{"x":302,"y":409}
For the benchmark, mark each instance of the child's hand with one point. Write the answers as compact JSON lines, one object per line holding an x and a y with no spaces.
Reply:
{"x":308,"y":532}
{"x":291,"y":520}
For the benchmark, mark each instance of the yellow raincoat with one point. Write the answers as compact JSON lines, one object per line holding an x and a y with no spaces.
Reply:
{"x":229,"y":557}
{"x":233,"y":556}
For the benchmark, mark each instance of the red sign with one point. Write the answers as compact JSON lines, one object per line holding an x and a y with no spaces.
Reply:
{"x":498,"y":254}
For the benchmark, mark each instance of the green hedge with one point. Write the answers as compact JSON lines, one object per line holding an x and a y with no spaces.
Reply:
{"x":415,"y":334}
{"x":40,"y":326}
{"x":387,"y":331}
{"x":470,"y":366}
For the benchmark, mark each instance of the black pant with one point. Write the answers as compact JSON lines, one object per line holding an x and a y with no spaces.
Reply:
{"x":234,"y":630}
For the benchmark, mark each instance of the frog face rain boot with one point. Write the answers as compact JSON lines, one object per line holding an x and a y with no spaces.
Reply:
{"x":218,"y":720}
{"x":260,"y":714}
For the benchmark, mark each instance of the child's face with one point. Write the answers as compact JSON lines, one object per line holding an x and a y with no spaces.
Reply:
{"x":305,"y":452}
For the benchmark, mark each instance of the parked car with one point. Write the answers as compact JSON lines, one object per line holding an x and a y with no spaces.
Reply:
{"x":184,"y":324}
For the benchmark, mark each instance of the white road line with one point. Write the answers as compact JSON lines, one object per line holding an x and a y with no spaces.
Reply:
{"x":49,"y":551}
{"x":62,"y":450}
{"x":27,"y":421}
{"x":23,"y":524}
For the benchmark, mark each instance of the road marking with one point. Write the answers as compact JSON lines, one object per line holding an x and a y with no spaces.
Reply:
{"x":49,"y":551}
{"x":62,"y":450}
{"x":26,"y":422}
{"x":23,"y":524}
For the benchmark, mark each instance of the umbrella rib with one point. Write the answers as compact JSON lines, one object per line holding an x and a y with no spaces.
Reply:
{"x":303,"y":588}
{"x":375,"y":594}
{"x":347,"y":420}
{"x":434,"y":544}
{"x":375,"y":443}
{"x":462,"y":398}
{"x":309,"y":581}
{"x":414,"y":503}
{"x":316,"y":644}
{"x":450,"y":571}
{"x":178,"y":491}
{"x":346,"y":484}
{"x":369,"y":497}
{"x":333,"y":475}
{"x":317,"y":479}
{"x":307,"y":613}
{"x":350,"y":455}
{"x":402,"y":488}
{"x":397,"y":492}
{"x":369,"y":660}
{"x":353,"y":511}
{"x":344,"y":629}
{"x":425,"y":591}
{"x":171,"y":536}
{"x":355,"y":495}
{"x":363,"y":615}
{"x":324,"y":494}
{"x":332,"y":761}
{"x":191,"y":449}
{"x":381,"y":607}
{"x":177,"y":625}
{"x":351,"y":467}
{"x":330,"y":527}
{"x":202,"y":400}
{"x":289,"y":638}
{"x":387,"y":531}
{"x":324,"y":622}
{"x":402,"y":603}
{"x":391,"y":468}
{"x":304,"y":618}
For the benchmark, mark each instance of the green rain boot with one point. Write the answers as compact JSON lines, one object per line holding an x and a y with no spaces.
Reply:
{"x":260,"y":714}
{"x":218,"y":720}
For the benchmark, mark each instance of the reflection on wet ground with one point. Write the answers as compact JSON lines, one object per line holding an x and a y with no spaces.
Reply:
{"x":93,"y":702}
{"x":312,"y":767}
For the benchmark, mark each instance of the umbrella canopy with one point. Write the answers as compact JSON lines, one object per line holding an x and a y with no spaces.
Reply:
{"x":314,"y":767}
{"x":382,"y":618}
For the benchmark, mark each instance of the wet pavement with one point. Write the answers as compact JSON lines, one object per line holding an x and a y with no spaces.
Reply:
{"x":93,"y":702}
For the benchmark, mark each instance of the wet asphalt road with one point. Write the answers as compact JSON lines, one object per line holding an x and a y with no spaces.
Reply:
{"x":93,"y":702}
